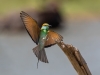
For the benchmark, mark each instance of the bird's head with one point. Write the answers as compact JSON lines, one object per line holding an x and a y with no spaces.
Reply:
{"x":45,"y":26}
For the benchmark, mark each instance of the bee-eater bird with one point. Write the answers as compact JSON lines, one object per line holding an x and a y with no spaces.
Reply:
{"x":43,"y":37}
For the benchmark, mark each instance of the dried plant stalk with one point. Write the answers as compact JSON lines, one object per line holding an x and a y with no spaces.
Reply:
{"x":75,"y":58}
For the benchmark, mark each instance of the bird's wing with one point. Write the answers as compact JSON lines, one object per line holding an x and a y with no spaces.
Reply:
{"x":31,"y":26}
{"x":52,"y":37}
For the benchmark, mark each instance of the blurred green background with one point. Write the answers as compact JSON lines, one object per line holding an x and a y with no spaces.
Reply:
{"x":67,"y":6}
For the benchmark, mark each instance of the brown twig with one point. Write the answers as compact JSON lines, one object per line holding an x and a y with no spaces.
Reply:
{"x":75,"y":58}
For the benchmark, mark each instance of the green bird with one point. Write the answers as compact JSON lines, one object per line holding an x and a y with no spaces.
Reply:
{"x":43,"y":37}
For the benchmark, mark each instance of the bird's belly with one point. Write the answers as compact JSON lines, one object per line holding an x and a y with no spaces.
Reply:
{"x":42,"y":41}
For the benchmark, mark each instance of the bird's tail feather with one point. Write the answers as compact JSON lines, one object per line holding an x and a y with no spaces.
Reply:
{"x":40,"y":54}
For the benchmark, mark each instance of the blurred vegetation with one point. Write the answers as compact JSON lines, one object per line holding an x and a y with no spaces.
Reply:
{"x":75,"y":6}
{"x":69,"y":6}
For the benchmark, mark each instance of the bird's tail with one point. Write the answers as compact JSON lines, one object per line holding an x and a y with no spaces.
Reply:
{"x":40,"y":54}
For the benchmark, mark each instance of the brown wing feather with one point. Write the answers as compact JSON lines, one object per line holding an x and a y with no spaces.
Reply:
{"x":31,"y":26}
{"x":52,"y":37}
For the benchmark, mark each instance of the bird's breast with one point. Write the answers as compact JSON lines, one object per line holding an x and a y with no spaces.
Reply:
{"x":42,"y":39}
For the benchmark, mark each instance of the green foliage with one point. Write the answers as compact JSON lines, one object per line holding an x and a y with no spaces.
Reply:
{"x":69,"y":6}
{"x":81,"y":6}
